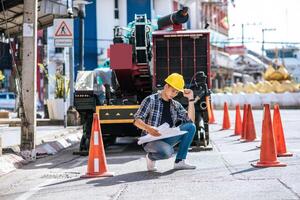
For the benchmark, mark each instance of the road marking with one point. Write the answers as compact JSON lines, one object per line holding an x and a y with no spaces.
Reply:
{"x":34,"y":190}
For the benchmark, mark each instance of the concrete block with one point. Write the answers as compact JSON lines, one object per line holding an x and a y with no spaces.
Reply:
{"x":45,"y":148}
{"x":10,"y":162}
{"x":63,"y":142}
{"x":56,"y":145}
{"x":72,"y":139}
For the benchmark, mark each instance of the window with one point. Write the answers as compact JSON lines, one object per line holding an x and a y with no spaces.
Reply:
{"x":59,"y":50}
{"x":11,"y":96}
{"x":2,"y":96}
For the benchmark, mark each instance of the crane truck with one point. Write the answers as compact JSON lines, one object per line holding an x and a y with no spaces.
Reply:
{"x":141,"y":57}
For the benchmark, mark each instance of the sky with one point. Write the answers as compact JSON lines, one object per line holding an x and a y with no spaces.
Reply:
{"x":282,"y":15}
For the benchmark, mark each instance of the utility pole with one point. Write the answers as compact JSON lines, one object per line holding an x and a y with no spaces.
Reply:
{"x":263,"y":42}
{"x":263,"y":39}
{"x":28,"y":82}
{"x":242,"y":34}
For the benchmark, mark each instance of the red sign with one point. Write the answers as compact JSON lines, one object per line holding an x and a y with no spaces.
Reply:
{"x":63,"y":30}
{"x":236,"y":50}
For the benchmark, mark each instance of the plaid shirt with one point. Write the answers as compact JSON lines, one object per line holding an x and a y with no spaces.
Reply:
{"x":151,"y":110}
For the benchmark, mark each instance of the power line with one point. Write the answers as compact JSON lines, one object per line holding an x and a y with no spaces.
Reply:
{"x":257,"y":42}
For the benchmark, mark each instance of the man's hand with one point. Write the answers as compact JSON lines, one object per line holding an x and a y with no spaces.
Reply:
{"x":188,"y":93}
{"x":152,"y":131}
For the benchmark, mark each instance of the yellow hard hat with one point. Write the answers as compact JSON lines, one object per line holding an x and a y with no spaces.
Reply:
{"x":176,"y":81}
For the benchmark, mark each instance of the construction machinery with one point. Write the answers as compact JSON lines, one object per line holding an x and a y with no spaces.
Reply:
{"x":141,"y":58}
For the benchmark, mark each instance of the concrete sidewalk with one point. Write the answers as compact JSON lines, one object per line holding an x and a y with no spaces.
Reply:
{"x":49,"y":141}
{"x":223,"y":173}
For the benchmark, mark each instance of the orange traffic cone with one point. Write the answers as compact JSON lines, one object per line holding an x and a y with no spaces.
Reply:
{"x":238,"y":121}
{"x":243,"y":135}
{"x":279,"y":134}
{"x":212,"y":113}
{"x":97,"y":166}
{"x":208,"y":109}
{"x":268,"y":155}
{"x":226,"y":120}
{"x":250,"y":134}
{"x":211,"y":116}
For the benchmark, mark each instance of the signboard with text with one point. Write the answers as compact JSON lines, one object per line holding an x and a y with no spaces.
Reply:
{"x":63,"y":32}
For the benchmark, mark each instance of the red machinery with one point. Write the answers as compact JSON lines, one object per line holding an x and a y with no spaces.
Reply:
{"x":135,"y":76}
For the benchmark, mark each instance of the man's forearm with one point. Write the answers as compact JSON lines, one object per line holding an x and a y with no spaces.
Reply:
{"x":141,"y":124}
{"x":191,"y":111}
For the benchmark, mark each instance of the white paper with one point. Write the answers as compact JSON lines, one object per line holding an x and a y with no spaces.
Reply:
{"x":28,"y":30}
{"x":165,"y":132}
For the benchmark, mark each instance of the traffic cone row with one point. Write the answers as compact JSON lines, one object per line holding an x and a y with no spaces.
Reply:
{"x":273,"y":141}
{"x":272,"y":145}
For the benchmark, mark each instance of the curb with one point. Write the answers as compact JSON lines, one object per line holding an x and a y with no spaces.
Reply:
{"x":52,"y":147}
{"x":9,"y":162}
{"x":16,"y":122}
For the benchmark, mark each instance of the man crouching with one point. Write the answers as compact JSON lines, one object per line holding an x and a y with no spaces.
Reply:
{"x":160,"y":108}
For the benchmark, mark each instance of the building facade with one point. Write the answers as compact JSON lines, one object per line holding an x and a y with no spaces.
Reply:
{"x":214,"y":17}
{"x":101,"y":16}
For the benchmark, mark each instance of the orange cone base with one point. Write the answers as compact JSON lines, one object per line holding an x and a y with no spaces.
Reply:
{"x":237,"y":134}
{"x":269,"y":164}
{"x":287,"y":154}
{"x":105,"y":174}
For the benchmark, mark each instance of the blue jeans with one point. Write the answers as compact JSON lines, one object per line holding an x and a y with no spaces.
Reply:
{"x":163,"y":149}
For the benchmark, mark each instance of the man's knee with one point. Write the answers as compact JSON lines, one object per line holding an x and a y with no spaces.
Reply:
{"x":166,"y":153}
{"x":193,"y":127}
{"x":189,"y":127}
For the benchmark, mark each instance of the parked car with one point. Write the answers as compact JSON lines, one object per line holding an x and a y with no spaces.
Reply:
{"x":7,"y":100}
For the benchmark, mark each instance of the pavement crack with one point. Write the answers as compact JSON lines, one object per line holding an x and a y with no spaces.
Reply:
{"x":289,"y":188}
{"x":120,"y":192}
{"x":229,"y":167}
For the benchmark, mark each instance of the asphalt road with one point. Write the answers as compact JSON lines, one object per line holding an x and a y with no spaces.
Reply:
{"x":223,"y":173}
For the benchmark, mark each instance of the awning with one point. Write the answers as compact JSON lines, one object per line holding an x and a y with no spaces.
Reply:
{"x":12,"y":21}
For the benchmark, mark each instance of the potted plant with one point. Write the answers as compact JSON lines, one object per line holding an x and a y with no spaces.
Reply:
{"x":56,"y":106}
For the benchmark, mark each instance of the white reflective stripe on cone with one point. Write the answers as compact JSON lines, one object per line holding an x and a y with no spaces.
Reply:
{"x":96,"y":138}
{"x":96,"y":164}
